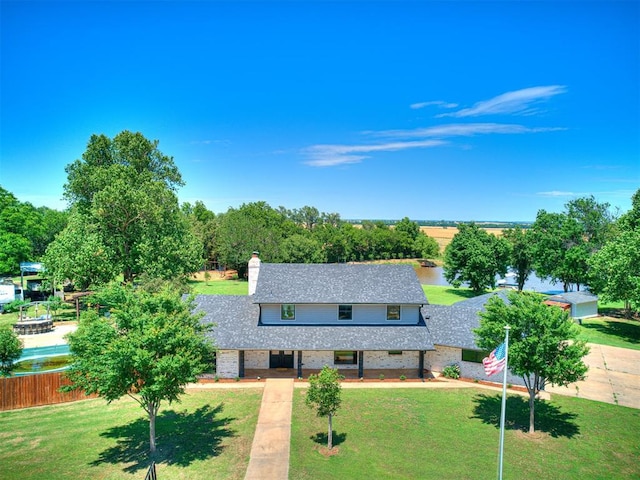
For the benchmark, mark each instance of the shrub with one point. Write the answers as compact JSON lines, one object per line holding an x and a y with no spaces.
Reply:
{"x":14,"y":306}
{"x":403,"y":378}
{"x":381,"y":376}
{"x":451,"y":371}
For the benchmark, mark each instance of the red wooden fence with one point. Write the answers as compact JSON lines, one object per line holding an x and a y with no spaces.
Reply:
{"x":34,"y":390}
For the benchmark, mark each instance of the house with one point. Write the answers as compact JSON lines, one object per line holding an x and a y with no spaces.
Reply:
{"x":579,"y":304}
{"x":353,"y":317}
{"x":451,"y":329}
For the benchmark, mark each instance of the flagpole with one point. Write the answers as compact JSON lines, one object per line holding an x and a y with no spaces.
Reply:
{"x":504,"y":400}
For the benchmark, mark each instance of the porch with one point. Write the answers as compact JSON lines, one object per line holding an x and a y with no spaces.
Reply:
{"x":348,"y":373}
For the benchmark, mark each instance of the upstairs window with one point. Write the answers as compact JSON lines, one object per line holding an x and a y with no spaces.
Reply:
{"x":287,"y":312}
{"x":345,"y":312}
{"x":393,"y":312}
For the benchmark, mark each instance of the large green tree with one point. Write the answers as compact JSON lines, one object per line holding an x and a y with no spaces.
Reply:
{"x":10,"y":350}
{"x":125,"y":188}
{"x":79,"y":255}
{"x":132,"y":152}
{"x":251,"y":227}
{"x":149,"y":348}
{"x":615,"y":270}
{"x":204,"y":224}
{"x":543,"y":344}
{"x":559,"y":250}
{"x":564,"y":242}
{"x":476,"y":257}
{"x":323,"y":395}
{"x":631,"y":219}
{"x":25,"y":231}
{"x":520,"y":253}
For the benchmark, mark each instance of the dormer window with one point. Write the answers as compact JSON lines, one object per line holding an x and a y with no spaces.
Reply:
{"x":393,"y":312}
{"x":345,"y":312}
{"x":287,"y":311}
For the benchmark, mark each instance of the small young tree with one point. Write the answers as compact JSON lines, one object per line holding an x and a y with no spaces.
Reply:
{"x":10,"y":350}
{"x":149,"y":348}
{"x":324,"y":396}
{"x":543,"y":345}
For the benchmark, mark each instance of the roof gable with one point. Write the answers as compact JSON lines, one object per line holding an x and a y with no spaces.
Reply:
{"x":338,"y":284}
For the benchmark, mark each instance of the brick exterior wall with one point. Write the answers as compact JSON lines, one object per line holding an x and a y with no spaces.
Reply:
{"x":443,"y":356}
{"x":227,"y":364}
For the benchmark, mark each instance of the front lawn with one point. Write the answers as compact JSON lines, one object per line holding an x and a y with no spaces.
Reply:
{"x":454,"y":434}
{"x":615,"y":332}
{"x":207,"y":436}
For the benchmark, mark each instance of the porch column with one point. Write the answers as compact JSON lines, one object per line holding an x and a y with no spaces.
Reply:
{"x":360,"y":362}
{"x":299,"y":363}
{"x":421,"y":364}
{"x":241,"y":363}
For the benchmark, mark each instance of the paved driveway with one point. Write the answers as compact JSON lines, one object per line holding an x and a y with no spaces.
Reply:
{"x":613,"y":377}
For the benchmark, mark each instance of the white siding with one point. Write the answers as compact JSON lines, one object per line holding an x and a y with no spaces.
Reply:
{"x":584,"y":310}
{"x":328,"y":315}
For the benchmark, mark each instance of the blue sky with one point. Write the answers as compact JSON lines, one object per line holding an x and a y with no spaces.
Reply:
{"x":431,"y":110}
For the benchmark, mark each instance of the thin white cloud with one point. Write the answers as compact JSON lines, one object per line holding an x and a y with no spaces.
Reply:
{"x":518,"y":102}
{"x":605,"y":193}
{"x":437,"y":103}
{"x":333,"y":155}
{"x":462,"y":130}
{"x":557,"y":193}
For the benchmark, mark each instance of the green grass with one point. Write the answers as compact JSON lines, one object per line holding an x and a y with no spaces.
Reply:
{"x":206,"y":436}
{"x":615,"y":332}
{"x":444,"y":295}
{"x":220,"y":287}
{"x":66,"y":313}
{"x":454,"y":434}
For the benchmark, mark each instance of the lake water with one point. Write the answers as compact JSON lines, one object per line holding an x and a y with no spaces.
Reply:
{"x":435,"y":276}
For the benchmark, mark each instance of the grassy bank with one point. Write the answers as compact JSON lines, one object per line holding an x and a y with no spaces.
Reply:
{"x":206,"y":436}
{"x":453,"y":434}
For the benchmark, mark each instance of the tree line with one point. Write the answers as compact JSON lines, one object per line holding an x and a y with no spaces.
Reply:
{"x":125,"y":221}
{"x":586,"y":245}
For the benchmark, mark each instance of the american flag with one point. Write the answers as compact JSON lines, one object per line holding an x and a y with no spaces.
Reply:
{"x":496,"y":360}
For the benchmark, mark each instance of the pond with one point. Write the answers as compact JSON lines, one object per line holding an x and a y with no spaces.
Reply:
{"x":435,"y":276}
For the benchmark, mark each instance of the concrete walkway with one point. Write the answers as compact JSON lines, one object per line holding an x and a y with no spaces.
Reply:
{"x":270,"y":449}
{"x":613,"y":377}
{"x":54,"y":337}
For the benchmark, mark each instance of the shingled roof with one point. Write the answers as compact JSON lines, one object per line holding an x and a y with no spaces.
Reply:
{"x":453,"y":325}
{"x":237,"y":328}
{"x":338,"y":284}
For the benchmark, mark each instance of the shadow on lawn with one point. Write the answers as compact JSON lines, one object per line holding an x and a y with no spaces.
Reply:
{"x":629,"y":332}
{"x":548,"y":418}
{"x":181,"y":438}
{"x":322,"y":438}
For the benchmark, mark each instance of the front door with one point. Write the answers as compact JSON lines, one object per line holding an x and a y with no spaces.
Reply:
{"x":281,"y":359}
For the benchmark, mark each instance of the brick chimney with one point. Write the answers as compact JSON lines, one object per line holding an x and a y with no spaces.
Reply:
{"x":254,"y":270}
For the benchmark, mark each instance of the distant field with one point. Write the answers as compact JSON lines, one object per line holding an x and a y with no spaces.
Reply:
{"x":443,"y":235}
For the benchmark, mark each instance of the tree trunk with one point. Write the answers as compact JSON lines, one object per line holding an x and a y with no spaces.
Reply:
{"x":532,"y":403}
{"x":330,"y":435}
{"x":152,"y":429}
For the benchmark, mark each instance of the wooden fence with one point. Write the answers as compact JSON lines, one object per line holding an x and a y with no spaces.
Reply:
{"x":34,"y":390}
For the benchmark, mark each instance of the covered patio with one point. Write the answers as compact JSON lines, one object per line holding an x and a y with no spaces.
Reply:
{"x":350,"y":374}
